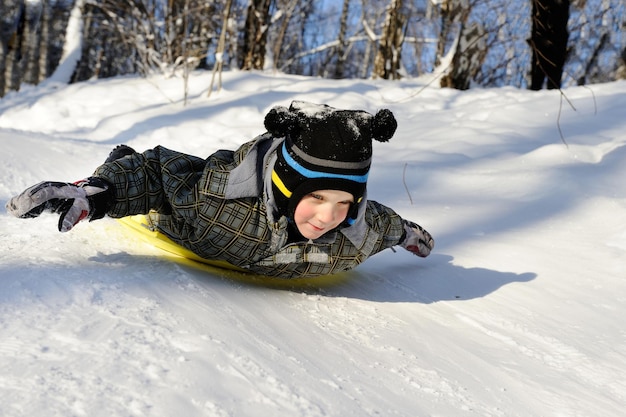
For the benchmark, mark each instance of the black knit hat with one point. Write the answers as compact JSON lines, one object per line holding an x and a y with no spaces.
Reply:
{"x":324,"y":149}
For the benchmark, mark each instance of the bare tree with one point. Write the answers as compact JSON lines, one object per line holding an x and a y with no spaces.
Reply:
{"x":43,"y":56}
{"x":370,"y":15}
{"x":388,"y":58}
{"x":284,"y":15}
{"x":73,"y":45}
{"x":620,"y":73}
{"x":29,"y":67}
{"x":221,"y":46}
{"x":592,"y":63}
{"x":469,"y":53}
{"x":469,"y":47}
{"x":450,"y":14}
{"x":594,"y":48}
{"x":13,"y":26}
{"x":341,"y":40}
{"x":254,"y":43}
{"x":290,"y":26}
{"x":483,"y":41}
{"x":548,"y":42}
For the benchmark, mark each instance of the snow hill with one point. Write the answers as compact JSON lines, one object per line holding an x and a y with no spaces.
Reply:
{"x":519,"y":311}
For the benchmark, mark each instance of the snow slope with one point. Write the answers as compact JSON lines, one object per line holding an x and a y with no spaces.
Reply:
{"x":518,"y":312}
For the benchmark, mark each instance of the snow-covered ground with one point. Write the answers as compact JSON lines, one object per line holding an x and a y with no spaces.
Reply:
{"x":519,"y":311}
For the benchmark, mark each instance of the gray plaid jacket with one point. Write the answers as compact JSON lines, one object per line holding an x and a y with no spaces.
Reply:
{"x":222,"y":208}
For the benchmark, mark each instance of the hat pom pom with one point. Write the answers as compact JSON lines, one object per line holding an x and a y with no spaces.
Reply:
{"x":383,"y":125}
{"x":279,"y":121}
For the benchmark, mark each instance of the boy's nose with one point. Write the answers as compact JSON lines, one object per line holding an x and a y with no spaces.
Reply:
{"x":326,"y":215}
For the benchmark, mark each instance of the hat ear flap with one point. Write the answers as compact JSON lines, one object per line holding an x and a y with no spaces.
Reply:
{"x":279,"y":121}
{"x":383,"y":125}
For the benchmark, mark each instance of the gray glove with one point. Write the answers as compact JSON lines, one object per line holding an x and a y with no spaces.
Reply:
{"x":417,"y":240}
{"x":88,"y":198}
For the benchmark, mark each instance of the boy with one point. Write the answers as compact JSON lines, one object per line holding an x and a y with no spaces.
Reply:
{"x":290,"y":203}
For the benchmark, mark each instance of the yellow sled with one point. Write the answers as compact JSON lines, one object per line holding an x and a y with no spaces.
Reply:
{"x":142,"y":227}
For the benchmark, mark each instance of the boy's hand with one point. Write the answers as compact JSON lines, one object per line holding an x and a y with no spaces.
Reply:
{"x":74,"y":202}
{"x":417,"y":240}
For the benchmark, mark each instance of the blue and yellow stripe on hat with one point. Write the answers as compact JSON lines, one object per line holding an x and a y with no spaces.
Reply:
{"x":310,"y":174}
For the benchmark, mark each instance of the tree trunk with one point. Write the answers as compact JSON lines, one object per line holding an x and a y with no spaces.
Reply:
{"x":341,"y":41}
{"x":281,"y":33}
{"x":254,"y":43}
{"x":387,"y":61}
{"x":44,"y":42}
{"x":548,"y":42}
{"x":221,"y":46}
{"x":4,"y":50}
{"x":593,"y":60}
{"x":454,"y":15}
{"x":174,"y":30}
{"x":72,"y":48}
{"x":620,"y":73}
{"x":13,"y":75}
{"x":32,"y":33}
{"x":468,"y":57}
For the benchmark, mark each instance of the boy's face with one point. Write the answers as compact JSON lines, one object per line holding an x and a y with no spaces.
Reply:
{"x":321,"y":211}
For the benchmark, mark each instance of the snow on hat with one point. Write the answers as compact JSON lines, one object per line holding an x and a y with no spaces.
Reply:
{"x":324,"y":149}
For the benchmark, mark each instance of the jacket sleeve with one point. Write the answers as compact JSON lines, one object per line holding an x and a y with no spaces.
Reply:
{"x":151,"y":180}
{"x":386,"y":222}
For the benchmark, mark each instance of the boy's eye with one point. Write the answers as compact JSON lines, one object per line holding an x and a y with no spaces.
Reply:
{"x":320,"y":197}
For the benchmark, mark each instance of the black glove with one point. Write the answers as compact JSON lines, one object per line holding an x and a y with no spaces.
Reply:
{"x":89,"y":198}
{"x":417,"y":240}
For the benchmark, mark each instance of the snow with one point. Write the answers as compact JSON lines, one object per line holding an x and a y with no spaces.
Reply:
{"x":519,"y":311}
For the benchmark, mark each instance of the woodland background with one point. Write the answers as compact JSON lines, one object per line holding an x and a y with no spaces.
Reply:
{"x":465,"y":43}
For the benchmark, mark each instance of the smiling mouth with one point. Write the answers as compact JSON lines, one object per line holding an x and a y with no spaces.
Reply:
{"x":319,"y":229}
